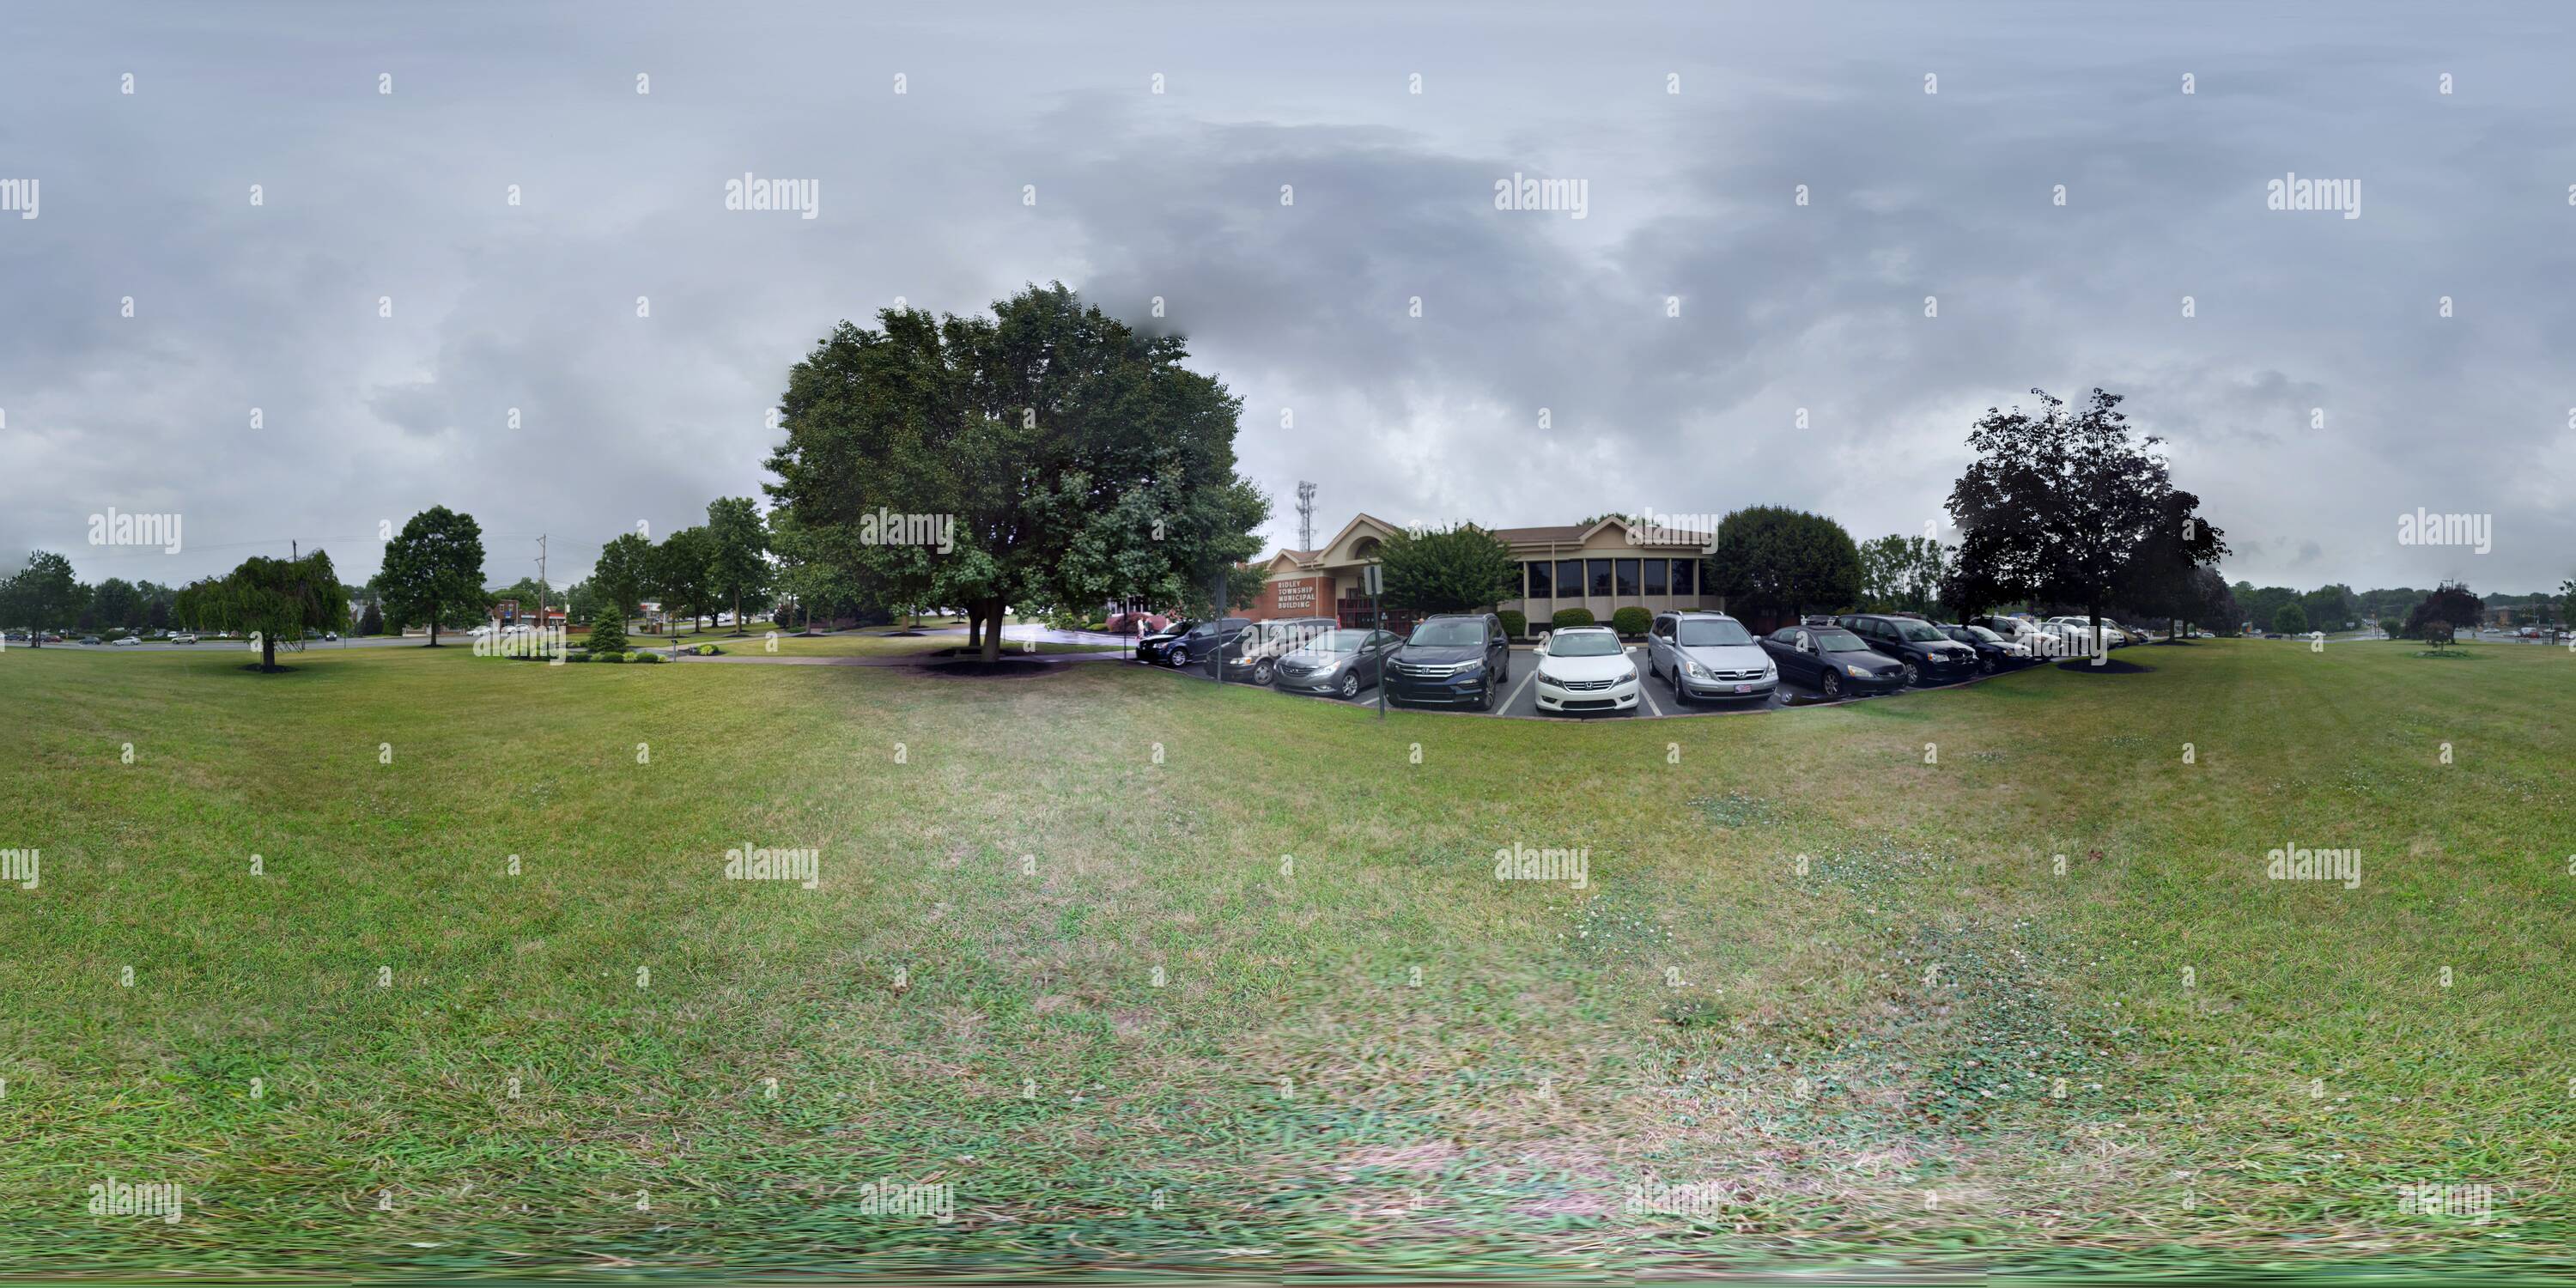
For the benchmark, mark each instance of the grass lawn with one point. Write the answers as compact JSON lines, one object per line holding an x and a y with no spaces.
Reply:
{"x":1166,"y":974}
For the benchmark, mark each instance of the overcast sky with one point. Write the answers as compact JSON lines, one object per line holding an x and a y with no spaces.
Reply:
{"x":1690,"y":196}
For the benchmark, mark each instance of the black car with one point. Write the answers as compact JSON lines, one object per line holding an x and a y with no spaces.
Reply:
{"x":1149,"y":648}
{"x":1994,"y":652}
{"x":1453,"y":659}
{"x":1201,"y":639}
{"x":1930,"y":656}
{"x":1833,"y":661}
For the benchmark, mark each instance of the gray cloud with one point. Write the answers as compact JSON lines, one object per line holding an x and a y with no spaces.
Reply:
{"x":1303,"y":307}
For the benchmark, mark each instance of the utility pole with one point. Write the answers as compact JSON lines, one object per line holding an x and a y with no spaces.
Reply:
{"x":1305,"y":516}
{"x":541,"y":582}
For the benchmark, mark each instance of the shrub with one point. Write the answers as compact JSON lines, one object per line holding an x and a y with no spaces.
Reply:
{"x":1515,"y":624}
{"x":1571,"y":617}
{"x":646,"y":657}
{"x":708,"y":650}
{"x":608,"y":632}
{"x":612,"y":657}
{"x":577,"y":657}
{"x":1632,"y":621}
{"x":2390,"y":627}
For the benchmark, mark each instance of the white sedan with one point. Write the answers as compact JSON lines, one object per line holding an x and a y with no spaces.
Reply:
{"x":1584,"y":668}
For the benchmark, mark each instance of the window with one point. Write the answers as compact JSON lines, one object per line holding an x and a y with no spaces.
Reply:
{"x":1569,"y":579}
{"x":1655,"y":576}
{"x":1685,"y":572}
{"x":1663,"y":628}
{"x":1600,"y":571}
{"x":1627,"y":577}
{"x":1539,"y":586}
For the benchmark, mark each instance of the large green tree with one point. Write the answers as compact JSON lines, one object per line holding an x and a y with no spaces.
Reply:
{"x":277,"y":600}
{"x":115,"y":603}
{"x":679,"y":569}
{"x":1772,"y":560}
{"x":624,"y":573}
{"x":1449,"y":570}
{"x":45,"y":595}
{"x":737,"y":553}
{"x":1048,"y":457}
{"x":433,"y":568}
{"x":2057,"y":505}
{"x":2164,"y":577}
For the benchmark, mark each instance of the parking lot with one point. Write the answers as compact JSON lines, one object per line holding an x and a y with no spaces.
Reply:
{"x":1655,"y":700}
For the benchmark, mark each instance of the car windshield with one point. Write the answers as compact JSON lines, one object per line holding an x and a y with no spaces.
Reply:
{"x":1338,"y":642}
{"x":1840,"y":642}
{"x":1448,"y":634}
{"x":1918,"y":631}
{"x":1583,"y":644}
{"x":1712,"y":633}
{"x":1981,"y":633}
{"x":1203,"y":628}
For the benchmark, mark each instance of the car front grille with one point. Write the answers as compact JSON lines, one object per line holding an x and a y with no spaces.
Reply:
{"x":1584,"y":686}
{"x":1292,"y":668}
{"x":1736,"y":675}
{"x":1428,"y":670}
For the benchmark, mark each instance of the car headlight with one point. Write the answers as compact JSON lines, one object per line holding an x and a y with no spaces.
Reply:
{"x":1855,"y":672}
{"x":1694,"y":670}
{"x":1466,"y":669}
{"x":1549,"y":681}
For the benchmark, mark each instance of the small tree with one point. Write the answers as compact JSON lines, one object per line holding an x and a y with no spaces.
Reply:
{"x":1771,"y":559}
{"x":2291,"y":620}
{"x":607,"y":633}
{"x":371,"y":622}
{"x":624,"y":572}
{"x":1455,"y":570}
{"x":737,"y":546}
{"x":2435,"y":632}
{"x":280,"y":598}
{"x":2449,"y":606}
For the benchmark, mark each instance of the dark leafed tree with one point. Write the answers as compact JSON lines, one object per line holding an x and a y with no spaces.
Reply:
{"x":2056,"y":506}
{"x":2291,"y":620}
{"x":1453,"y":570}
{"x":680,"y":567}
{"x":1774,"y":560}
{"x":45,"y":595}
{"x":623,"y":573}
{"x":115,"y":603}
{"x":1048,"y":457}
{"x":2449,"y":607}
{"x":434,"y":568}
{"x":737,"y":553}
{"x":371,"y":622}
{"x":2163,"y":577}
{"x":278,"y":600}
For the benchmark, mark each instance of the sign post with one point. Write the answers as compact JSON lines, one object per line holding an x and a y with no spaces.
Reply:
{"x":1375,"y":583}
{"x":1216,"y":656}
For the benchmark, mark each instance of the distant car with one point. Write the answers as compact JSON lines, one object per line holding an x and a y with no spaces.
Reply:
{"x":184,"y":637}
{"x":1452,"y":659}
{"x":1585,"y":668}
{"x":2014,"y":630}
{"x":331,"y":635}
{"x":1200,"y":640}
{"x":89,"y":639}
{"x":1149,"y":647}
{"x":1340,"y":662}
{"x":1994,"y":652}
{"x":1930,"y":657}
{"x":125,"y":641}
{"x":1707,"y":655}
{"x":1832,"y":661}
{"x":1254,"y":655}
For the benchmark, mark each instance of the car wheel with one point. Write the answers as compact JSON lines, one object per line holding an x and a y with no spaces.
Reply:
{"x":1179,"y":659}
{"x":1485,"y":702}
{"x":1261,"y":673}
{"x":1350,"y":686}
{"x":1681,"y":694}
{"x":1912,"y":676}
{"x":1832,"y":685}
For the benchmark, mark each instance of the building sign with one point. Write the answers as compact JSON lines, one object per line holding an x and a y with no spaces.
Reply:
{"x":1297,"y":596}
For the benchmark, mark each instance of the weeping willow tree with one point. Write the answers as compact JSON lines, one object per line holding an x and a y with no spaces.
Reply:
{"x":273,"y":600}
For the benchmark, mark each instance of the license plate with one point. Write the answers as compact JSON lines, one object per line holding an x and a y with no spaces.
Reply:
{"x":1744,"y":688}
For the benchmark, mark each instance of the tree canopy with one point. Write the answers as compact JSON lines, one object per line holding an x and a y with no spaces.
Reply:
{"x":1049,"y":457}
{"x":1772,"y":559}
{"x":737,"y":552}
{"x":433,"y":567}
{"x":277,"y":600}
{"x":1450,"y":570}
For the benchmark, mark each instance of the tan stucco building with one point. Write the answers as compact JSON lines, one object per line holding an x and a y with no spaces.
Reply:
{"x":1603,"y":566}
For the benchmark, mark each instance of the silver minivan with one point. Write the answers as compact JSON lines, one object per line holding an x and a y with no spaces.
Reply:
{"x":1708,"y":655}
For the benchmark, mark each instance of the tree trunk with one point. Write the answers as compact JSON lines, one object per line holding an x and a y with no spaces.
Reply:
{"x":267,"y":652}
{"x":992,"y":630}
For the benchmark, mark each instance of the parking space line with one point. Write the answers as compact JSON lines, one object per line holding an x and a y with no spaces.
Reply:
{"x":1516,"y":689}
{"x":1642,"y":695}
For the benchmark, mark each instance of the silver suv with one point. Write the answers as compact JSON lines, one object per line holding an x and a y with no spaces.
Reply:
{"x":1254,"y":655}
{"x":1708,"y":655}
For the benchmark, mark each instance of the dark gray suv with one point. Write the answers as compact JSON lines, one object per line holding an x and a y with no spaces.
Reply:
{"x":1454,"y":659}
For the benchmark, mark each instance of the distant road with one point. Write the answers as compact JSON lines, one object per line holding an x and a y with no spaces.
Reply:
{"x":207,"y":646}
